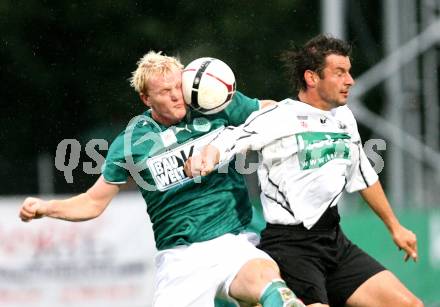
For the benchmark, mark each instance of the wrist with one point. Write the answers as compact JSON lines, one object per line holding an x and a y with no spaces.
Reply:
{"x":45,"y":208}
{"x":393,"y":226}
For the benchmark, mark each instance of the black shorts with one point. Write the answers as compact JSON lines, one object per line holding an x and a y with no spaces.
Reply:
{"x":319,"y":265}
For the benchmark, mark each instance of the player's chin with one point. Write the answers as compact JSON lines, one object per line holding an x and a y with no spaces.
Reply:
{"x":344,"y":96}
{"x":180,"y":113}
{"x":342,"y":101}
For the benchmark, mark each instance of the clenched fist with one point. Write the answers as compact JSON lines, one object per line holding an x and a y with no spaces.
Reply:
{"x":204,"y":163}
{"x":32,"y":208}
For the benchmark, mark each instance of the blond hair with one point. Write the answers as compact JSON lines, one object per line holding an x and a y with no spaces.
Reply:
{"x":151,"y":64}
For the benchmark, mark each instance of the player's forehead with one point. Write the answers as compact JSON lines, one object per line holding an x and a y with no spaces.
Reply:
{"x":336,"y":61}
{"x":165,"y":78}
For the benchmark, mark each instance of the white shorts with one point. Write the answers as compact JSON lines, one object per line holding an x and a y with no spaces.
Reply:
{"x":192,"y":276}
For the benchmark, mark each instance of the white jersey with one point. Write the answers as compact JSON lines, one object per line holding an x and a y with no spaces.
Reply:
{"x":309,"y":156}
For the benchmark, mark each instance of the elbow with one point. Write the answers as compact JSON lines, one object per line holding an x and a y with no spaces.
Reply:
{"x":97,"y":209}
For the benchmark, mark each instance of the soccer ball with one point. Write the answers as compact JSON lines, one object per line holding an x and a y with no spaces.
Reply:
{"x":208,"y":85}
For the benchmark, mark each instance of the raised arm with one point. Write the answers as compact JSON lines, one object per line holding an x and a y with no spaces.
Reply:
{"x":402,"y":237}
{"x":261,"y":128}
{"x":82,"y":207}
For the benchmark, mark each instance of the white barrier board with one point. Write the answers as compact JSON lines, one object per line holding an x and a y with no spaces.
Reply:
{"x":105,"y":262}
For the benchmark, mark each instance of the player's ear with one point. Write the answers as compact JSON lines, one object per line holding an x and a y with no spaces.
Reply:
{"x":310,"y":77}
{"x":145,"y":99}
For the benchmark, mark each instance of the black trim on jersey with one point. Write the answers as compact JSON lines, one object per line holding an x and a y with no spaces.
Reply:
{"x":282,"y":194}
{"x":227,"y":128}
{"x":264,"y":113}
{"x":334,"y":198}
{"x":328,"y":218}
{"x":360,"y":168}
{"x":242,"y":137}
{"x":269,"y":110}
{"x":248,"y":135}
{"x":282,"y":206}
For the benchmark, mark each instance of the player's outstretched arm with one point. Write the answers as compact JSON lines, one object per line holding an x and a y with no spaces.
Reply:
{"x":402,"y":237}
{"x":82,"y":207}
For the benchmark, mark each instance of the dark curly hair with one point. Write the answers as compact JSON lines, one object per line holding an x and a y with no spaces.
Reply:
{"x":311,"y":57}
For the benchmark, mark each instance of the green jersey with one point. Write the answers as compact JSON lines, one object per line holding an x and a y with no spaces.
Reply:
{"x":182,"y":210}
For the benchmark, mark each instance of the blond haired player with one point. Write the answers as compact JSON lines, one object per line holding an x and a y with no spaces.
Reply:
{"x":198,"y":226}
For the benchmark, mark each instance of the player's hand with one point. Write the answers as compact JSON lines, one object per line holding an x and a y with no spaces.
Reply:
{"x":193,"y":166}
{"x":405,"y":239}
{"x":210,"y":158}
{"x":32,"y":208}
{"x":204,"y":163}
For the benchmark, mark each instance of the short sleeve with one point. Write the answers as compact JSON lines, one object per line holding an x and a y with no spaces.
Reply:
{"x":240,"y":108}
{"x":113,"y":169}
{"x":361,"y":174}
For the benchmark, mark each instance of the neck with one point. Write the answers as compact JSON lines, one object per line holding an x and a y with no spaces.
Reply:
{"x":312,"y":98}
{"x":162,"y":120}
